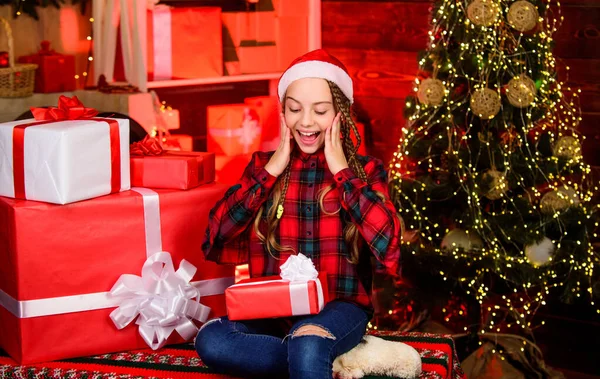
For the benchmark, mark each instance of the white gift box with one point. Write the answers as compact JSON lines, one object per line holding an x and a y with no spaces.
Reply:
{"x":65,"y":161}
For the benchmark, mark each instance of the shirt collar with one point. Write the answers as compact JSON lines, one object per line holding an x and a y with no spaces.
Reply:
{"x":319,"y":154}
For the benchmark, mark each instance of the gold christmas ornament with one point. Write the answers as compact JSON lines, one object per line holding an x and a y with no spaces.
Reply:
{"x":483,"y":12}
{"x":498,"y":184}
{"x":485,"y":103}
{"x":521,"y":91}
{"x":459,"y":239}
{"x":431,"y":92}
{"x":567,"y":147}
{"x":558,"y":200}
{"x":522,"y":15}
{"x":539,"y":254}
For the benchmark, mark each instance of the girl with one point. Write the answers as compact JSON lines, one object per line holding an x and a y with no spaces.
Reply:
{"x":313,"y":195}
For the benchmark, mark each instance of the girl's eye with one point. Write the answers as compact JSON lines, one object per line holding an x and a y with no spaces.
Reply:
{"x":294,"y":110}
{"x":321,"y":113}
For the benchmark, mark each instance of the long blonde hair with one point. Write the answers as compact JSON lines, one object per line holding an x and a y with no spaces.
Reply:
{"x":351,"y":234}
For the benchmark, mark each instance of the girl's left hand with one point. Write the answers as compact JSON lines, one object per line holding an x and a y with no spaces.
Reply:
{"x":334,"y":153}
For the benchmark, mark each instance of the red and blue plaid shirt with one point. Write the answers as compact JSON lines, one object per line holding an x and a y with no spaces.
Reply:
{"x":230,"y":236}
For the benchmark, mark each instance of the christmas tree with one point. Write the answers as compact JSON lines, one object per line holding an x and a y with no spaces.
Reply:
{"x":489,"y":169}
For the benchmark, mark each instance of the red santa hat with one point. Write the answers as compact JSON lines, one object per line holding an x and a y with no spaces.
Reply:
{"x":317,"y":64}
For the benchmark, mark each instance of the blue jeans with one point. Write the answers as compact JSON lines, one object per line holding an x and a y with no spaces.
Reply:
{"x":255,"y":349}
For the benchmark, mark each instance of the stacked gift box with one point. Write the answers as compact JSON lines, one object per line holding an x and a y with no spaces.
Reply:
{"x":55,"y":73}
{"x":233,"y":134}
{"x":182,"y":43}
{"x":265,"y":39}
{"x":83,"y":215}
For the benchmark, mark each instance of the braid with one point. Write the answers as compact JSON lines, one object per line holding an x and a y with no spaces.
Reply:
{"x":279,"y":191}
{"x":286,"y":182}
{"x":343,"y":105}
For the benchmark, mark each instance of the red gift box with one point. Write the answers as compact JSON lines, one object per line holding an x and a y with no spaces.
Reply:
{"x":178,"y":142}
{"x":173,"y":169}
{"x":55,"y":73}
{"x":271,"y":297}
{"x":233,"y":129}
{"x":291,"y":42}
{"x":184,"y":42}
{"x":268,"y":111}
{"x":49,"y":252}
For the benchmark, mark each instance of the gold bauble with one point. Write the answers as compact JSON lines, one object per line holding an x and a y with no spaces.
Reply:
{"x":485,"y":103}
{"x":431,"y":92}
{"x":459,"y":239}
{"x":498,"y":184}
{"x":522,"y":15}
{"x":521,"y":91}
{"x":558,"y":200}
{"x":540,"y":253}
{"x":483,"y":12}
{"x":567,"y":147}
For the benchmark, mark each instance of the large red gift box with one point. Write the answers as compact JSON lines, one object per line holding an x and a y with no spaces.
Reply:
{"x":55,"y":72}
{"x":173,"y":169}
{"x":271,"y":297}
{"x":74,"y":254}
{"x":184,"y":42}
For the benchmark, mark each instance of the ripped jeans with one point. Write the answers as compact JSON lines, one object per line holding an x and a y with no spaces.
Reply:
{"x":254,"y":349}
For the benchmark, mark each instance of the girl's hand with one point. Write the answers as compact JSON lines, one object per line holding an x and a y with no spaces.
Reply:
{"x":280,"y":159}
{"x":334,"y":153}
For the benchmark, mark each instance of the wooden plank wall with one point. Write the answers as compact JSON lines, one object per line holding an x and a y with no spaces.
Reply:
{"x":379,"y":41}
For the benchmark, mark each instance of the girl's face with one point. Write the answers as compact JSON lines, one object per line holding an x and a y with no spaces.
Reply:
{"x":308,"y":110}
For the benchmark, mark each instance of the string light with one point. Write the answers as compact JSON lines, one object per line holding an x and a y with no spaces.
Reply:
{"x":498,"y":54}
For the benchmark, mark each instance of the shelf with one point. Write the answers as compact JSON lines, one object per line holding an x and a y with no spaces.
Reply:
{"x":213,"y":80}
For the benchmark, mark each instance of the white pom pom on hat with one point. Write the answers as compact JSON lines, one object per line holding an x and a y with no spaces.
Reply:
{"x":317,"y":64}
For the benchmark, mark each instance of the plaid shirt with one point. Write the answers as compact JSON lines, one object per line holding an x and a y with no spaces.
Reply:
{"x":230,"y":236}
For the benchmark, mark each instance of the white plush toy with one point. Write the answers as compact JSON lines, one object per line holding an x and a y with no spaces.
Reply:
{"x":376,"y":356}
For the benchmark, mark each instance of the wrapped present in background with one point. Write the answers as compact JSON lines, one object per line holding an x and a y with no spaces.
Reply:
{"x":55,"y":72}
{"x":268,"y":111}
{"x":178,"y":142}
{"x":238,"y":27}
{"x":64,"y":155}
{"x":153,"y":167}
{"x":284,"y":8}
{"x":184,"y":42}
{"x":291,"y":38}
{"x":300,"y":290}
{"x":233,"y":129}
{"x":229,"y":169}
{"x":251,"y":57}
{"x":86,"y":247}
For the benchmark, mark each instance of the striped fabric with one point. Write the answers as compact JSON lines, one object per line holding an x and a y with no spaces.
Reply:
{"x":181,"y":361}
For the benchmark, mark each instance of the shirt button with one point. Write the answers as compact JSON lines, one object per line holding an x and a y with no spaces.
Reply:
{"x":313,"y":164}
{"x":264,"y":178}
{"x":308,"y":209}
{"x":339,"y":178}
{"x":308,"y":233}
{"x":310,"y":185}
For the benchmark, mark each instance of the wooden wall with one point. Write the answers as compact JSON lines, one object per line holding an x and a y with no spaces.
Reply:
{"x":379,"y":40}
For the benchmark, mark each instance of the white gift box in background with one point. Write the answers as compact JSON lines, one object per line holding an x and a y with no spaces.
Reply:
{"x":64,"y":161}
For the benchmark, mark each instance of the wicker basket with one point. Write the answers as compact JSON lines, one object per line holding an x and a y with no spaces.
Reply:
{"x":16,"y":80}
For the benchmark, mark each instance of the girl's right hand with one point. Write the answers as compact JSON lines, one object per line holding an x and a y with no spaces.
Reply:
{"x":280,"y":159}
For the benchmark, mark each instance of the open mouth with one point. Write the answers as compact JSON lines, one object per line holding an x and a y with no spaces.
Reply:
{"x":308,"y":138}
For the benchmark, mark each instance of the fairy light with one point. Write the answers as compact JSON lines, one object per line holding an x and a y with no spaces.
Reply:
{"x":495,"y":50}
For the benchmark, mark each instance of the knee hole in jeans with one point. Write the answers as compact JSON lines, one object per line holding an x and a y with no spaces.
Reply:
{"x":312,"y":330}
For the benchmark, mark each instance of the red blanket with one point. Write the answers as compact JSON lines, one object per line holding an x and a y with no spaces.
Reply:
{"x":181,"y":361}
